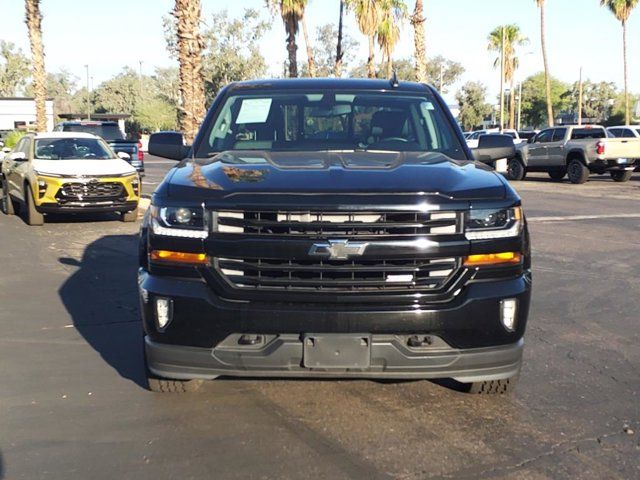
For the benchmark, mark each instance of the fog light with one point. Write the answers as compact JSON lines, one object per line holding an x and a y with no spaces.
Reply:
{"x":508,"y":311}
{"x":164,"y":312}
{"x":42,"y":188}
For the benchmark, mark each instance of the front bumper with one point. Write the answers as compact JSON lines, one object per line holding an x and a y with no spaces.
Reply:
{"x":282,"y":356}
{"x":88,"y":207}
{"x":470,"y":342}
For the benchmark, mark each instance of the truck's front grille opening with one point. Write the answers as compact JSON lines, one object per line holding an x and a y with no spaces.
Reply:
{"x":337,"y":275}
{"x":314,"y":224}
{"x":91,"y":191}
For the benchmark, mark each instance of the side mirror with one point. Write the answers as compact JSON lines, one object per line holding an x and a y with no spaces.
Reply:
{"x":124,"y":156}
{"x":18,"y":157}
{"x":168,"y":145}
{"x":494,"y":147}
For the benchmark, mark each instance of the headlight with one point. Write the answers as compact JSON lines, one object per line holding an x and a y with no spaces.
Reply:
{"x":187,"y":222}
{"x":491,"y":223}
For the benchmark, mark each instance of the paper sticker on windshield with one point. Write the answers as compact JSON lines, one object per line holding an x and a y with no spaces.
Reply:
{"x":428,"y":106}
{"x":254,"y":110}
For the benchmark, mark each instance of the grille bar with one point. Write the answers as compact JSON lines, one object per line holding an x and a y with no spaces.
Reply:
{"x":337,"y":275}
{"x":91,"y":191}
{"x":309,"y":223}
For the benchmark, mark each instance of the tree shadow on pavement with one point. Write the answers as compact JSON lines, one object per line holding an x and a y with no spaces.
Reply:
{"x":101,"y":297}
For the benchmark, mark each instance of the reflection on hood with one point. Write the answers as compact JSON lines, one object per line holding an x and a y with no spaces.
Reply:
{"x":325,"y":159}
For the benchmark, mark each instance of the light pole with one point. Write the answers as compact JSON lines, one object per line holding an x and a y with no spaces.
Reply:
{"x":88,"y":94}
{"x":520,"y":106}
{"x":441,"y":76}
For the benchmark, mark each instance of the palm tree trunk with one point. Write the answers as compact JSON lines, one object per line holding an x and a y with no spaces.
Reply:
{"x":371,"y":66}
{"x":34,"y":24}
{"x":292,"y":48}
{"x":190,"y":45}
{"x":310,"y":60}
{"x":547,"y":77}
{"x":417,"y":20}
{"x":337,"y":70}
{"x":389,"y":65}
{"x":627,"y":111}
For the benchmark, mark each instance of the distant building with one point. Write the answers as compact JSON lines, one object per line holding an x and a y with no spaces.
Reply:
{"x":18,"y":113}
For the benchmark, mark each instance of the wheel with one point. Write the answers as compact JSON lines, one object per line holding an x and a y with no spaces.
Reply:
{"x":7,"y":203}
{"x":167,"y":385}
{"x":557,"y":174}
{"x":577,"y":171}
{"x":621,"y":175}
{"x":33,"y":217}
{"x":516,"y":170}
{"x":494,"y":387}
{"x":131,"y":216}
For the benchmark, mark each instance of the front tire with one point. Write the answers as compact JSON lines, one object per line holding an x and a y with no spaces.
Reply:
{"x":516,"y":170}
{"x":7,"y":203}
{"x":494,"y":387}
{"x":621,"y":175}
{"x":577,"y":171}
{"x":33,"y":217}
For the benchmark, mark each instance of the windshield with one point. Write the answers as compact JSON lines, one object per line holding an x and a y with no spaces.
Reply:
{"x":331,"y":121}
{"x":109,"y":131}
{"x":72,"y":149}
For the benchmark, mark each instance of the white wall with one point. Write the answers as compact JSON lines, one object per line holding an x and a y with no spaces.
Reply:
{"x":22,"y":110}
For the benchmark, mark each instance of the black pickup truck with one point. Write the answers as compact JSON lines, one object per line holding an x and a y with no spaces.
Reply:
{"x":333,"y":228}
{"x":111,"y":133}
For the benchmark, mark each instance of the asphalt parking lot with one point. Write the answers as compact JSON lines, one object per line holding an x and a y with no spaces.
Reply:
{"x":73,"y":403}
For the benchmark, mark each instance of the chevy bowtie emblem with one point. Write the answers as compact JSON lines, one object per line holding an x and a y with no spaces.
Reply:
{"x":338,"y":249}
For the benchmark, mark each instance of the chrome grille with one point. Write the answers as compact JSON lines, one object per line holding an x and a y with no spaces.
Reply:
{"x":341,"y":276}
{"x":88,"y":191}
{"x":319,"y":224}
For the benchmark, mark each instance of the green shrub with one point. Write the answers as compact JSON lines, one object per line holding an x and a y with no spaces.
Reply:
{"x":13,"y":137}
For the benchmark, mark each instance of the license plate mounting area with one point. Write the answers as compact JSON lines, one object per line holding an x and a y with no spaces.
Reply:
{"x":337,"y":351}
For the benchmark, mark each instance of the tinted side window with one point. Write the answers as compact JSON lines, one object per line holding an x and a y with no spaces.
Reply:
{"x":545,"y":136}
{"x":627,"y":133}
{"x":614,"y":132}
{"x":558,"y":134}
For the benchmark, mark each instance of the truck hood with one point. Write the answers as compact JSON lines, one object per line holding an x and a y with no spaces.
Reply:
{"x":333,"y":172}
{"x":83,"y":167}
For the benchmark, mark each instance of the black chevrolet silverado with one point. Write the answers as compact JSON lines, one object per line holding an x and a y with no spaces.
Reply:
{"x":333,"y":228}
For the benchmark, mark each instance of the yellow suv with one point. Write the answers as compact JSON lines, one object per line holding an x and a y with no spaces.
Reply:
{"x":67,"y":172}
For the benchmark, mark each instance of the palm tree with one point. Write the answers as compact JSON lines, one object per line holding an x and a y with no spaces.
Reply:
{"x":622,"y":10}
{"x":512,"y":38}
{"x":392,"y":13}
{"x":292,"y":12}
{"x":190,"y":45}
{"x":368,"y":17}
{"x":547,"y":75}
{"x":337,"y":69}
{"x":417,"y":20}
{"x":34,"y":24}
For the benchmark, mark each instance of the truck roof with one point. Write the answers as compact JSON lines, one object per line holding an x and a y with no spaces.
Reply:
{"x":330,"y":83}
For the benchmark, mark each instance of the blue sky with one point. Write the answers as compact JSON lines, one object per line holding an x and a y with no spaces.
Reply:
{"x":108,"y":35}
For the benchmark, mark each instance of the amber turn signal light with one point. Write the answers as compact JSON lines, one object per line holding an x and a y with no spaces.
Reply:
{"x":492,"y":259}
{"x":167,"y":256}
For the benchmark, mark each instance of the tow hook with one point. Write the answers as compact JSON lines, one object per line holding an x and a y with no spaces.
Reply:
{"x":417,"y":341}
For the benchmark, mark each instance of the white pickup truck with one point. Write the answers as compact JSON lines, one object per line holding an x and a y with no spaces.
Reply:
{"x":576,"y":151}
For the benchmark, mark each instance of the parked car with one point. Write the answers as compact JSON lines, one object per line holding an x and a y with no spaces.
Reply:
{"x":525,"y":135}
{"x":625,"y":131}
{"x":111,"y":133}
{"x":64,"y":172}
{"x":333,"y":228}
{"x":576,"y":151}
